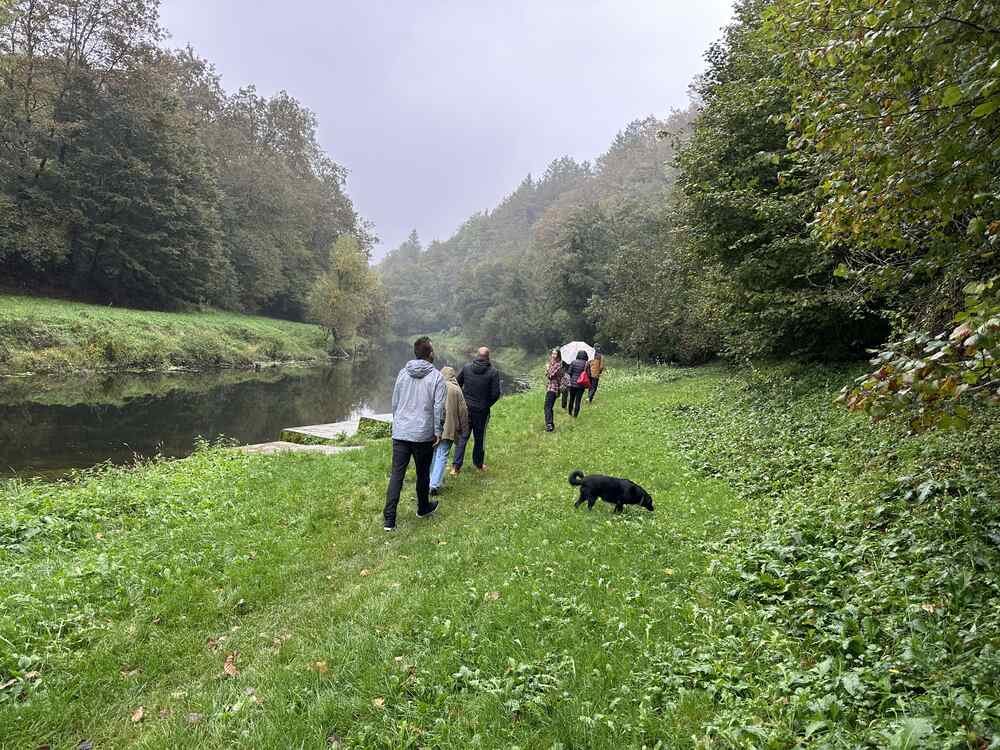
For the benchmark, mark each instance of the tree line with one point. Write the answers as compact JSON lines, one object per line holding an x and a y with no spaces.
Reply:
{"x":833,"y":188}
{"x":129,"y":176}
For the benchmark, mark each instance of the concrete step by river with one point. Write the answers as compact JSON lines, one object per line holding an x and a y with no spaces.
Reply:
{"x":281,"y":446}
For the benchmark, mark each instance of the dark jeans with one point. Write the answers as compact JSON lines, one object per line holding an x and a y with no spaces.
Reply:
{"x":593,"y":388}
{"x":575,"y":399}
{"x":422,"y":454}
{"x":550,"y":401}
{"x":478,"y":419}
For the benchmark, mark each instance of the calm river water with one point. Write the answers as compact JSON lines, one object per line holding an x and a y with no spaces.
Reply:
{"x":50,"y":425}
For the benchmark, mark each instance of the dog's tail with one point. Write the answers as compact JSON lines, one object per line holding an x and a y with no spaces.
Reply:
{"x":576,"y":478}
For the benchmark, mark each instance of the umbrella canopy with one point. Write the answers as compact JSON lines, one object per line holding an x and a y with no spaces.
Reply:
{"x":568,"y":351}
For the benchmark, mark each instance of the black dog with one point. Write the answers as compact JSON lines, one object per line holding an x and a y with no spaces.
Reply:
{"x":621,"y":492}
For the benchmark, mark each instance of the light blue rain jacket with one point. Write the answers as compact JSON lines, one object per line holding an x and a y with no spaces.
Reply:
{"x":418,"y":402}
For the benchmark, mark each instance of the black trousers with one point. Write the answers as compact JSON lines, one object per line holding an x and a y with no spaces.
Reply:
{"x":593,"y":388}
{"x":550,"y":401}
{"x":565,"y":397}
{"x":575,"y":399}
{"x":422,"y":454}
{"x":478,"y":419}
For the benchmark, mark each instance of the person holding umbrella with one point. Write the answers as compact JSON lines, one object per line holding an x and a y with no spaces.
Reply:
{"x":578,"y":371}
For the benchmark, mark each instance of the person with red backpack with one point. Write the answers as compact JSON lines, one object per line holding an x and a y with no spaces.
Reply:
{"x":579,"y":378}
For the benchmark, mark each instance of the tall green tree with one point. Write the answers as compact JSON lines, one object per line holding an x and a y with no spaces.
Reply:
{"x":749,"y":200}
{"x":345,"y":297}
{"x":143,"y":222}
{"x":899,"y":105}
{"x":59,"y":55}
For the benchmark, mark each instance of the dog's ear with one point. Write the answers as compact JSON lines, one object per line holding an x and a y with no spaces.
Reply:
{"x":647,"y":501}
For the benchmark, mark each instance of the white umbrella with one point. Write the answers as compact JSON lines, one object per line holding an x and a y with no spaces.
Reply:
{"x":568,"y":351}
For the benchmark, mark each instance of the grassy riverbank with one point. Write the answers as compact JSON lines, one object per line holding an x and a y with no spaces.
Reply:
{"x":44,"y":335}
{"x":806,"y":581}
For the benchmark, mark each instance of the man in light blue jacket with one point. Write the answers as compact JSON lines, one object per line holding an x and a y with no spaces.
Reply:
{"x":417,"y":418}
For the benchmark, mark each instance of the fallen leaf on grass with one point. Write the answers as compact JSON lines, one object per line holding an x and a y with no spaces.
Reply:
{"x":229,"y":668}
{"x":194,"y":718}
{"x":378,"y":702}
{"x":927,"y":608}
{"x":5,"y":685}
{"x":138,"y":715}
{"x":668,"y":571}
{"x":320,"y":667}
{"x":333,"y":740}
{"x":99,"y":535}
{"x":252,"y":695}
{"x":491,"y":596}
{"x":279,"y":640}
{"x":165,"y":713}
{"x":128,"y":672}
{"x":32,"y":675}
{"x":365,"y":572}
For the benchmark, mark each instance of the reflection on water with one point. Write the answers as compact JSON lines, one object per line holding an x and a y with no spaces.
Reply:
{"x":50,"y":425}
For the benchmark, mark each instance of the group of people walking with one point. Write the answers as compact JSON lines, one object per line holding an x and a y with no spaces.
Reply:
{"x":570,"y":381}
{"x":434,"y":411}
{"x":437,"y":410}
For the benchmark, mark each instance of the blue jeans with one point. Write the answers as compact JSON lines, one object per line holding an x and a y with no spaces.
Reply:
{"x":440,"y":461}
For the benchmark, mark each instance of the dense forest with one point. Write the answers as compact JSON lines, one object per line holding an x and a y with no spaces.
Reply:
{"x":834,"y":187}
{"x":129,"y":176}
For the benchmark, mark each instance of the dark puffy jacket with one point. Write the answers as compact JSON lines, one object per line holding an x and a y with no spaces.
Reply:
{"x":480,"y":383}
{"x":575,"y":368}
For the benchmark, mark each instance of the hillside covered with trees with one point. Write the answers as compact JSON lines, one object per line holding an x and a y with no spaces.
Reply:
{"x":833,"y":188}
{"x":128,"y":175}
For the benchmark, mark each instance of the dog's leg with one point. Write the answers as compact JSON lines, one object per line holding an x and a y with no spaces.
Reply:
{"x":580,"y":501}
{"x":618,"y":508}
{"x":590,"y":502}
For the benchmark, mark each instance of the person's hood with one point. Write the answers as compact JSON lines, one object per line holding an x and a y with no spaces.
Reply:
{"x":448,"y":373}
{"x":480,"y":365}
{"x":418,"y":368}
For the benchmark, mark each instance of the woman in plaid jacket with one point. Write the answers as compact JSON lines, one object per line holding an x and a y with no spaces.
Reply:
{"x":554,"y":375}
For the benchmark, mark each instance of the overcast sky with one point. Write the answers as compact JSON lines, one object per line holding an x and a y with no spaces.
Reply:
{"x":440,"y":108}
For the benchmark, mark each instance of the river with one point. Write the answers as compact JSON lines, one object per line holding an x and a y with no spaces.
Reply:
{"x":51,"y":425}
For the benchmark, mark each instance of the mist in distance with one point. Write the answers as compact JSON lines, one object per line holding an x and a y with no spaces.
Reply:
{"x":440,"y":109}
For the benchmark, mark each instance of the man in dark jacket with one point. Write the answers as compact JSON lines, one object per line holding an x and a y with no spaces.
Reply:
{"x":480,"y":383}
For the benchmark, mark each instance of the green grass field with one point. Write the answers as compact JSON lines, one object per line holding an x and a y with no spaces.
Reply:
{"x":804,"y":582}
{"x":44,"y":335}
